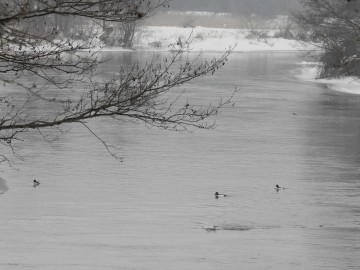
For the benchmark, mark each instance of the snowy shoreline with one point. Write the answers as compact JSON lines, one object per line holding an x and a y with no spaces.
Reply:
{"x":349,"y":84}
{"x":159,"y":38}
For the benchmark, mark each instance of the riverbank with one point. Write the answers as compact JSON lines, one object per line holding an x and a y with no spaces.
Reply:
{"x":349,"y":85}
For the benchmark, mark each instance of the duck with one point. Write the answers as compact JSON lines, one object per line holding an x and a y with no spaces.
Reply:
{"x":277,"y":187}
{"x":36,"y":183}
{"x":218,"y":195}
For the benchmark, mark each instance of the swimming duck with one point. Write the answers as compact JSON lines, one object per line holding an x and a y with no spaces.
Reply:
{"x":277,"y":187}
{"x":36,"y":183}
{"x":218,"y":195}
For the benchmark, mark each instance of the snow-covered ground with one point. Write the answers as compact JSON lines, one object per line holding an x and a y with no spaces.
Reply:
{"x":210,"y":39}
{"x":350,"y":85}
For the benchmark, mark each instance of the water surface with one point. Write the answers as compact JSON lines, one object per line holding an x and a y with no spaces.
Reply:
{"x":149,"y":211}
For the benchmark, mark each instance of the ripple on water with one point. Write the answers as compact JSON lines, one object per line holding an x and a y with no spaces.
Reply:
{"x":228,"y":227}
{"x":3,"y":186}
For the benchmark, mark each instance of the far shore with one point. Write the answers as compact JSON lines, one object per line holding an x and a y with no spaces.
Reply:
{"x":215,"y":40}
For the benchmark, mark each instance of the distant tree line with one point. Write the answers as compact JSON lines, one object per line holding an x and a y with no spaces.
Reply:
{"x":267,"y":8}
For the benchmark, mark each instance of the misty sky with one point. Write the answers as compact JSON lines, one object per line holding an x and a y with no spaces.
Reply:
{"x":263,"y":7}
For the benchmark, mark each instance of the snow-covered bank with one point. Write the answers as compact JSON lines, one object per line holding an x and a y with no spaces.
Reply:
{"x":349,"y":84}
{"x":210,"y":39}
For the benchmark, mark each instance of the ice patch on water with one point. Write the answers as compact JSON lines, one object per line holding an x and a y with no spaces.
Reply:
{"x":212,"y":228}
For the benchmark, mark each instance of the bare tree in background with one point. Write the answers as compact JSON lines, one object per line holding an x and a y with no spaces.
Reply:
{"x":120,"y":34}
{"x":333,"y":27}
{"x":65,"y":68}
{"x":128,"y":30}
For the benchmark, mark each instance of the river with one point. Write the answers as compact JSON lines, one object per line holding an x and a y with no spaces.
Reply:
{"x":150,"y":210}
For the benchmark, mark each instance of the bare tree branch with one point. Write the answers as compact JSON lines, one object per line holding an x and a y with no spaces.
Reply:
{"x":65,"y":72}
{"x":333,"y":27}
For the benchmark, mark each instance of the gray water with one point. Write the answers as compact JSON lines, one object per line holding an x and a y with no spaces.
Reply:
{"x":149,"y":211}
